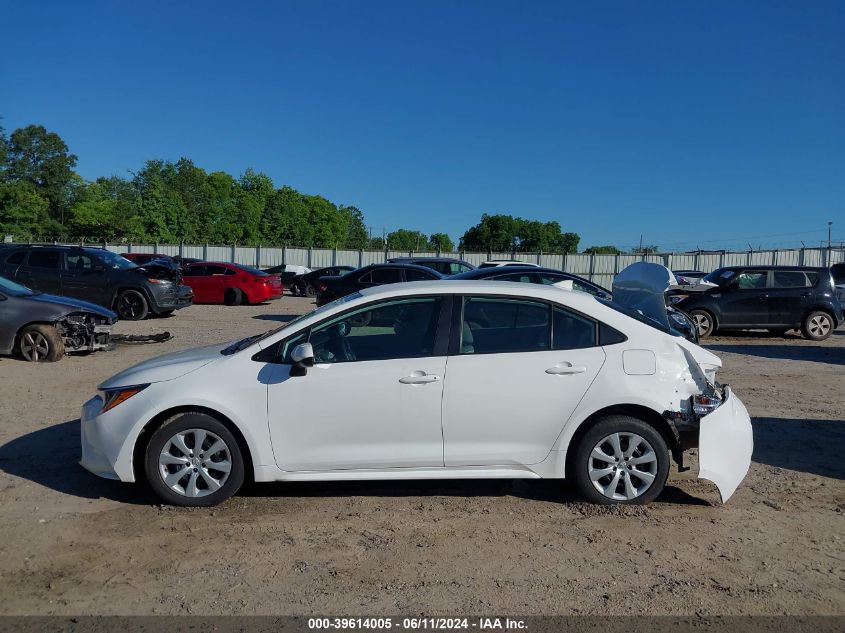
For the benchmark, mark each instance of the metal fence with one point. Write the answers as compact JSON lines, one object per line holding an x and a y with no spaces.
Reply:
{"x":597,"y":268}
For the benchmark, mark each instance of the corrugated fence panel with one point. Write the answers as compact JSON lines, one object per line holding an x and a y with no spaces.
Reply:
{"x":245,"y":255}
{"x":296,"y":256}
{"x":604,"y":264}
{"x":192,"y":250}
{"x":322,"y":257}
{"x":271,"y":257}
{"x":549,"y":260}
{"x":578,"y":265}
{"x":372,"y":257}
{"x":392,"y":254}
{"x":736,"y":259}
{"x":473,"y":258}
{"x":605,"y":281}
{"x":219,"y":254}
{"x":348,"y":258}
{"x":684,"y":262}
{"x":709,"y":262}
{"x":814,"y":258}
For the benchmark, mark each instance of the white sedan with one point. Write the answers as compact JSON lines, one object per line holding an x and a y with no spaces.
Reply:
{"x":426,"y":380}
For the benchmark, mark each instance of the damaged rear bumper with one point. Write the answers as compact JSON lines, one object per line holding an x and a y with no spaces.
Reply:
{"x":725,"y":444}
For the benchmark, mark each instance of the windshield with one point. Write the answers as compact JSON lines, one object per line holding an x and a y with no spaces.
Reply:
{"x":635,"y":314}
{"x":14,"y":290}
{"x":112,"y":260}
{"x":249,"y":340}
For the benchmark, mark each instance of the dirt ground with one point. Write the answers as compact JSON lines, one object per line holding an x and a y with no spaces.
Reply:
{"x":71,"y":543}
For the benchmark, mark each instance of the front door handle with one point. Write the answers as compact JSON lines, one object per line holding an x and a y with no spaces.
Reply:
{"x":566,"y":369}
{"x":419,"y":378}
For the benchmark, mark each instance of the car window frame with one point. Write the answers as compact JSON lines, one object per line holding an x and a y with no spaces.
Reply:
{"x":59,"y":252}
{"x":459,"y":301}
{"x":442,"y":334}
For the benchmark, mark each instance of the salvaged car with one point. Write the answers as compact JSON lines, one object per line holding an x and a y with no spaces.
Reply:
{"x":43,"y":328}
{"x":541,"y":383}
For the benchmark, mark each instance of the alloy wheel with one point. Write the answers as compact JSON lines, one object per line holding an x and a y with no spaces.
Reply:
{"x":622,"y":466}
{"x":130,"y":306}
{"x":34,"y":346}
{"x":702,"y":323}
{"x":195,"y":463}
{"x":819,"y":325}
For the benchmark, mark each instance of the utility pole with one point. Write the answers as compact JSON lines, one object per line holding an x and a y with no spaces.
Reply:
{"x":829,"y":224}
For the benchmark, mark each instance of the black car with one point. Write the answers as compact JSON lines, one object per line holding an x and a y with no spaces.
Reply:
{"x":306,"y":285}
{"x":443,"y":265}
{"x":98,"y":276}
{"x":775,"y":298}
{"x":534,"y":275}
{"x":42,"y":327}
{"x":331,"y":288}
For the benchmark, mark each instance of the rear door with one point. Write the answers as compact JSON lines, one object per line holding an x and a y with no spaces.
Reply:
{"x":517,"y":373}
{"x":41,"y":270}
{"x":790,"y":294}
{"x":11,"y":263}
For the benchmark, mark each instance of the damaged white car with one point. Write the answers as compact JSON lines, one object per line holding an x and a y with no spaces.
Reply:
{"x":427,"y":380}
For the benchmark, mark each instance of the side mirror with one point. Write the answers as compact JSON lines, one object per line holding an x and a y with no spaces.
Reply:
{"x":303,"y":358}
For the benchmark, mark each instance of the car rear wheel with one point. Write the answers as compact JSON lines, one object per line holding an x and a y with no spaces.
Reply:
{"x":233,"y":297}
{"x":817,"y":326}
{"x":310,"y":290}
{"x":621,"y":460}
{"x":703,"y":321}
{"x":132,"y":306}
{"x":194,"y":460}
{"x":41,"y":343}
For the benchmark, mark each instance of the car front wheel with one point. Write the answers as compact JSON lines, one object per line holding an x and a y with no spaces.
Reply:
{"x":194,"y":460}
{"x":817,"y":326}
{"x":621,"y":460}
{"x":703,"y":321}
{"x":132,"y":306}
{"x":41,"y":343}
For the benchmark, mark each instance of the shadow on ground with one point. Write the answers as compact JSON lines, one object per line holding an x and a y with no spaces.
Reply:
{"x":50,"y":457}
{"x":809,"y":446}
{"x":811,"y":353}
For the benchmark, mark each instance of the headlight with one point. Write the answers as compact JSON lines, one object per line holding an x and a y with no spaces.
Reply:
{"x":113,"y":397}
{"x":702,"y":405}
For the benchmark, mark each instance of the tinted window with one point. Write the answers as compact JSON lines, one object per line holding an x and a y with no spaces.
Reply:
{"x":524,"y":278}
{"x":572,"y":331}
{"x":790,"y":279}
{"x":232,"y":271}
{"x":492,"y":325}
{"x":385,"y":276}
{"x":750,"y":280}
{"x":366,"y":279}
{"x":215,"y":270}
{"x":194,"y":271}
{"x":393,"y":329}
{"x":412,"y":274}
{"x":44,"y":259}
{"x":16,"y":258}
{"x":838,"y":271}
{"x":79,"y":262}
{"x":457,"y":267}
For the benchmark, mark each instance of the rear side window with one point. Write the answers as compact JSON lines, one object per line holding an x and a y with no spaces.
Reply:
{"x":385,"y":276}
{"x":572,"y":331}
{"x":412,"y":274}
{"x":45,"y":259}
{"x":495,"y":326}
{"x":16,"y":258}
{"x":792,"y":279}
{"x":215,"y":270}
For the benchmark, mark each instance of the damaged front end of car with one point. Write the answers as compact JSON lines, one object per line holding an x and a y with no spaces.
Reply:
{"x":85,"y":331}
{"x":704,"y":414}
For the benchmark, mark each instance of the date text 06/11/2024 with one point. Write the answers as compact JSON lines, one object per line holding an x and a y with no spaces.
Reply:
{"x":418,"y":624}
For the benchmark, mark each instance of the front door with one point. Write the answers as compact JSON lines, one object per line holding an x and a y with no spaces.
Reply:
{"x":372,"y":399}
{"x":84,"y":277}
{"x":522,"y":369}
{"x":744,"y":300}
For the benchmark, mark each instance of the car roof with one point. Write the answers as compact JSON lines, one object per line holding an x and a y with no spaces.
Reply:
{"x":400,"y":265}
{"x":506,"y":270}
{"x":764,"y":267}
{"x":424,"y":258}
{"x":469,"y":286}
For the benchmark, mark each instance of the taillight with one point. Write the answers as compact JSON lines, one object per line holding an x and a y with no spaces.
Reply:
{"x":158,"y":281}
{"x":322,"y":287}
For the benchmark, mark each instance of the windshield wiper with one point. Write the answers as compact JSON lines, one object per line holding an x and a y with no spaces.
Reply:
{"x":237,"y":346}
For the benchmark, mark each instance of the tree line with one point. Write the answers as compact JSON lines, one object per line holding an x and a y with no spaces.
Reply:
{"x":43,"y":198}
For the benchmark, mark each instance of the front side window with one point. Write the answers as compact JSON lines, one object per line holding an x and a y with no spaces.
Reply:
{"x":751,"y":280}
{"x":495,"y":326}
{"x":412,"y":274}
{"x":215,"y":270}
{"x":79,"y":262}
{"x":44,"y":259}
{"x":194,"y":271}
{"x":404,"y":328}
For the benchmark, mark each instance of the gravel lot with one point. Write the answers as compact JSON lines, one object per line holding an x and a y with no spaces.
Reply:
{"x":71,"y":543}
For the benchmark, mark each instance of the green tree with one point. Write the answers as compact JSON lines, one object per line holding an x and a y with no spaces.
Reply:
{"x":507,"y":233}
{"x":644,"y":250}
{"x":25,"y":213}
{"x":42,"y":159}
{"x":441,"y":242}
{"x":406,"y":240}
{"x":602,"y":250}
{"x":356,"y":234}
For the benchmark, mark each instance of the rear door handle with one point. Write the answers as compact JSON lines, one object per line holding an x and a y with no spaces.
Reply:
{"x":419,"y":378}
{"x":565,"y":369}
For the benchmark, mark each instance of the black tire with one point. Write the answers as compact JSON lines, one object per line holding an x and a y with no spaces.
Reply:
{"x":233,"y":297}
{"x":704,"y":322}
{"x":187,"y":422}
{"x":310,"y":290}
{"x":583,"y":461}
{"x":132,"y":305}
{"x":817,"y":326}
{"x":40,"y":343}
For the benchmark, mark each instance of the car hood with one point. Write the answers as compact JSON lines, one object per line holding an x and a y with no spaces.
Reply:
{"x":642,"y":287}
{"x":72,"y":304}
{"x":166,"y":367}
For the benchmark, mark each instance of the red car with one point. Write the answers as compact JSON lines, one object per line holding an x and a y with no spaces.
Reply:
{"x":232,"y":284}
{"x":146,"y":258}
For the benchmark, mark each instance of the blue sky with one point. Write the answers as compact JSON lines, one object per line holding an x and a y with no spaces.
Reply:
{"x":710,"y":124}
